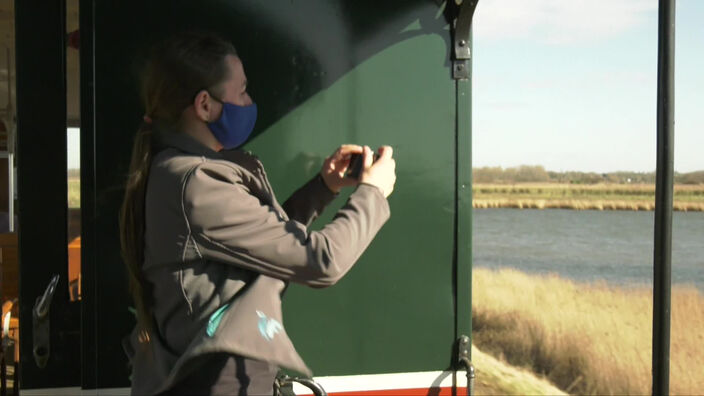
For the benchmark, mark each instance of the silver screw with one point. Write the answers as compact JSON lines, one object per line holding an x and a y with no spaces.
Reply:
{"x":462,"y":43}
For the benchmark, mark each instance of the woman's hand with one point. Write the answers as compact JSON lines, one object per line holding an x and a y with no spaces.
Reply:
{"x":382,"y":173}
{"x":336,"y":165}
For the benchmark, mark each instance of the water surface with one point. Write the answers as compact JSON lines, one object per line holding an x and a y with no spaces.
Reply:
{"x":616,"y":246}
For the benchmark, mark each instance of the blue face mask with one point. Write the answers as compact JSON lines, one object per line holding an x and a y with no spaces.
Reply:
{"x":235,"y":124}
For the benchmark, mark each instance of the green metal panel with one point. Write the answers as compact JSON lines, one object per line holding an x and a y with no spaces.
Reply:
{"x":394,"y":310}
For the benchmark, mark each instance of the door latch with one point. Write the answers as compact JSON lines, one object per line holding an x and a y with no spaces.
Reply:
{"x":40,"y":324}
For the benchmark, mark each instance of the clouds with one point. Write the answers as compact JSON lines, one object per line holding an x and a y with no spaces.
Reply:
{"x":560,"y":22}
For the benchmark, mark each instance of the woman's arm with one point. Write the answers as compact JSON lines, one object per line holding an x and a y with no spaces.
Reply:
{"x":230,"y":225}
{"x":309,"y":201}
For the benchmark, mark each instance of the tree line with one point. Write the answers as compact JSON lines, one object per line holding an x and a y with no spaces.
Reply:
{"x":538,"y":174}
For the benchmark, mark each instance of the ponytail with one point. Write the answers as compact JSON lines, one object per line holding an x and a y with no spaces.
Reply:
{"x":132,"y":225}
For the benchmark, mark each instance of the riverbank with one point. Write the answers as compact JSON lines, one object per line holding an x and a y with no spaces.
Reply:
{"x":582,"y":197}
{"x":494,"y":377}
{"x":585,"y":337}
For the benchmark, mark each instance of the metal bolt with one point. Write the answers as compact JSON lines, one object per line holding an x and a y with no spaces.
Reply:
{"x":465,"y":339}
{"x":462,"y":43}
{"x":460,"y":67}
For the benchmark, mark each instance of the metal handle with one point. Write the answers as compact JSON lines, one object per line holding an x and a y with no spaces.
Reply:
{"x":6,"y":319}
{"x":283,"y":385}
{"x":470,"y":374}
{"x":41,"y":307}
{"x":40,"y":324}
{"x":8,"y":344}
{"x":464,"y":345}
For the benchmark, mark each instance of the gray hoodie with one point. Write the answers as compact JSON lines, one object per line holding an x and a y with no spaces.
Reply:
{"x":220,"y":250}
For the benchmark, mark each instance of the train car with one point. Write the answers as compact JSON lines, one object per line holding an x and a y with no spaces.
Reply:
{"x":323,"y":73}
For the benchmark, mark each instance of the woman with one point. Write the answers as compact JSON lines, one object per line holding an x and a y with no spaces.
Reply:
{"x":208,"y":248}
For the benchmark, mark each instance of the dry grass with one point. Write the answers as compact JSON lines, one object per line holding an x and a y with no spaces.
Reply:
{"x":586,"y":338}
{"x":581,"y":204}
{"x":74,"y":192}
{"x":594,"y":197}
{"x":494,"y":377}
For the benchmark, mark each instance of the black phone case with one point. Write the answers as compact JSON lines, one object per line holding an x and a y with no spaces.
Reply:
{"x":356,"y":164}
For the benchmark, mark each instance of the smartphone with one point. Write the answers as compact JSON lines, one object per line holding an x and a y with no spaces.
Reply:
{"x":356,"y":165}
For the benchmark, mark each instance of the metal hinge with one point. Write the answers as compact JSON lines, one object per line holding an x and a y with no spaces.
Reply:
{"x":462,"y":27}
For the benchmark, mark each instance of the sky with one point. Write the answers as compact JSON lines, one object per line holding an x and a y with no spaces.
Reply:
{"x":73,"y":142}
{"x":572,"y":84}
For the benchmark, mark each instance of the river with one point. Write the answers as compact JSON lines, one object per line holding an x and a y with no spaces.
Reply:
{"x":615,"y":246}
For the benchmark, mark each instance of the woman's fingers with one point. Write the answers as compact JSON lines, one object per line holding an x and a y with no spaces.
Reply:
{"x":368,"y":157}
{"x":386,"y":152}
{"x":381,"y":173}
{"x":344,"y":151}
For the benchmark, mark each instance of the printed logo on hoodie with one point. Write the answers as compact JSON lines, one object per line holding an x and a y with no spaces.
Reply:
{"x":268,"y":327}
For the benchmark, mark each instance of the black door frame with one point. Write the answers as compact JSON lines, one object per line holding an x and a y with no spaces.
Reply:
{"x":40,"y":31}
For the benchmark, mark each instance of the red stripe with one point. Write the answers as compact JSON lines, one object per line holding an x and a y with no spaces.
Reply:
{"x":444,"y":391}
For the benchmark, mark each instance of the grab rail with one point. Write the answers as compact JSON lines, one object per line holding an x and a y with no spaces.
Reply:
{"x":283,"y":386}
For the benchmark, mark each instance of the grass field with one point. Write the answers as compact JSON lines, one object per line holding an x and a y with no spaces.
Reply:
{"x":571,"y":196}
{"x":549,"y":195}
{"x":585,"y":338}
{"x":74,"y":192}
